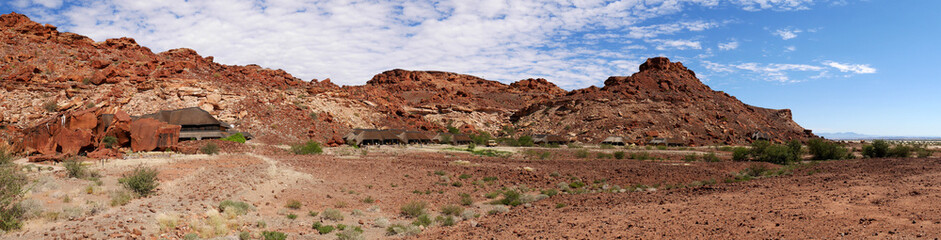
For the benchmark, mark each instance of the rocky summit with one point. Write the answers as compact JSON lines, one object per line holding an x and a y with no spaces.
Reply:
{"x":45,"y":74}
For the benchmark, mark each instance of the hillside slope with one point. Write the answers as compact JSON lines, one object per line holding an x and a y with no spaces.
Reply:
{"x":663,"y":99}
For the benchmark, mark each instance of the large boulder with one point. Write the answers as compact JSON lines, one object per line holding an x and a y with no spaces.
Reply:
{"x":149,"y":134}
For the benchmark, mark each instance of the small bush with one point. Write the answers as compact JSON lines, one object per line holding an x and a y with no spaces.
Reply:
{"x":465,"y":176}
{"x":237,"y":137}
{"x":446,"y":221}
{"x":332,"y":214}
{"x":740,"y":154}
{"x":550,"y":192}
{"x":322,"y":229}
{"x":311,"y":147}
{"x":489,"y":179}
{"x":559,"y":205}
{"x":452,"y":210}
{"x":510,"y":198}
{"x":901,"y":151}
{"x":12,"y":189}
{"x":292,"y":216}
{"x":878,"y":149}
{"x":209,"y":148}
{"x":619,"y":155}
{"x":368,"y":199}
{"x":414,"y":209}
{"x":581,"y":153}
{"x":75,"y":168}
{"x":294,"y":204}
{"x":402,"y":229}
{"x":236,"y":208}
{"x":710,"y":157}
{"x":423,"y":220}
{"x":825,"y":150}
{"x":51,"y":106}
{"x":692,"y":157}
{"x":109,"y":141}
{"x":245,"y":236}
{"x":351,"y":234}
{"x":466,"y":199}
{"x":606,"y":146}
{"x":142,"y":180}
{"x":121,"y":197}
{"x":457,"y":184}
{"x":272,"y":235}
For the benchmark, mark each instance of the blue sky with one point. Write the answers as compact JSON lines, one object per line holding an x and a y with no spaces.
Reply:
{"x":840,"y":65}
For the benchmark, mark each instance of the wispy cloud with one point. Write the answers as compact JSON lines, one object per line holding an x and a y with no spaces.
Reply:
{"x":728,"y":45}
{"x":851,"y":68}
{"x":786,"y":72}
{"x":349,"y":41}
{"x":787,"y":34}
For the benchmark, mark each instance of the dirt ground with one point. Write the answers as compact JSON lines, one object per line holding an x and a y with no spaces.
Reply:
{"x":600,"y":198}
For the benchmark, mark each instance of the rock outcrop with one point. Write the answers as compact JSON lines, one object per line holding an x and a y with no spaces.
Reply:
{"x":664,"y":99}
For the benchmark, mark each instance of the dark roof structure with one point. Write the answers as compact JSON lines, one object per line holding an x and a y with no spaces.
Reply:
{"x":192,"y":116}
{"x":549,"y":139}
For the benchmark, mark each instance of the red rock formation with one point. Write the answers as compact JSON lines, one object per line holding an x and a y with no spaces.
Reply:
{"x":663,"y":99}
{"x":150,"y":134}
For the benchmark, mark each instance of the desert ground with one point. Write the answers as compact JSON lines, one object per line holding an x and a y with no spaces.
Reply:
{"x":598,"y":196}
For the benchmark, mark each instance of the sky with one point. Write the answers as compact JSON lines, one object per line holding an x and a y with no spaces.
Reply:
{"x":864,"y":66}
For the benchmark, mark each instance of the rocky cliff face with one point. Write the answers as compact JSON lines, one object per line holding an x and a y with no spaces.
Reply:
{"x":45,"y":73}
{"x":663,"y":99}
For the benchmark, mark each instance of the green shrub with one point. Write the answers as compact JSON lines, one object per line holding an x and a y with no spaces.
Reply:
{"x":692,"y":157}
{"x":466,"y":199}
{"x":142,"y":180}
{"x":237,"y":137}
{"x":524,"y":141}
{"x":825,"y":150}
{"x":606,"y":146}
{"x":878,"y":149}
{"x":710,"y":157}
{"x":581,"y":153}
{"x":465,"y":176}
{"x":209,"y":148}
{"x":619,"y":155}
{"x":414,"y":209}
{"x":109,"y":141}
{"x":559,"y":205}
{"x":401,"y":229}
{"x":368,"y":199}
{"x":272,"y":235}
{"x":245,"y":236}
{"x":661,"y":147}
{"x":510,"y":198}
{"x":292,"y":216}
{"x":446,"y":221}
{"x":12,"y":189}
{"x":121,"y":197}
{"x":922,"y":152}
{"x":235,"y":207}
{"x":75,"y":169}
{"x":550,"y":192}
{"x":294,"y":204}
{"x":422,"y":220}
{"x":777,"y":154}
{"x":351,"y":234}
{"x":451,"y":209}
{"x":322,"y":229}
{"x":332,"y":214}
{"x":901,"y":151}
{"x":311,"y":147}
{"x":51,"y":106}
{"x":740,"y":154}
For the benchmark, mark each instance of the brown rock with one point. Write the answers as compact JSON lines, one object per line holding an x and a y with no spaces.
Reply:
{"x":149,"y":134}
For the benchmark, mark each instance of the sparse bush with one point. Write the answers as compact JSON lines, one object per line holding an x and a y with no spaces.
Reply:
{"x":368,"y":199}
{"x":209,"y":148}
{"x":510,"y":197}
{"x":559,"y":205}
{"x":922,"y":152}
{"x":12,"y":183}
{"x":167,"y":222}
{"x":294,"y":204}
{"x":272,"y":235}
{"x":466,"y":199}
{"x":901,"y":151}
{"x":142,"y":180}
{"x":292,"y":216}
{"x":332,"y":214}
{"x":323,"y":229}
{"x":692,"y":157}
{"x":309,"y":148}
{"x":245,"y":236}
{"x":740,"y":154}
{"x":581,"y":153}
{"x":75,"y":169}
{"x":601,"y":155}
{"x":191,"y":236}
{"x":878,"y":149}
{"x":457,"y":184}
{"x":453,"y":210}
{"x":51,"y":106}
{"x":619,"y":155}
{"x":524,"y":141}
{"x":237,"y":137}
{"x":351,"y":234}
{"x":465,"y":176}
{"x":109,"y":141}
{"x":235,"y":208}
{"x":121,"y":197}
{"x":498,"y":209}
{"x":423,"y":220}
{"x":414,"y":209}
{"x":402,"y":229}
{"x":825,"y":150}
{"x":710,"y":157}
{"x":446,"y":221}
{"x":550,"y":192}
{"x":755,"y":170}
{"x":606,"y":146}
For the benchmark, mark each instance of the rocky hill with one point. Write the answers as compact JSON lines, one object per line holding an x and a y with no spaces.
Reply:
{"x":664,"y":99}
{"x":45,"y":73}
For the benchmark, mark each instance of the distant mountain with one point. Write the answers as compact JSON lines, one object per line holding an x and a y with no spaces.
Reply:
{"x":858,"y":136}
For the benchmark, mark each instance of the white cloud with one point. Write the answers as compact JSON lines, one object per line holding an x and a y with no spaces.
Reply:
{"x":666,"y":44}
{"x":852,"y":68}
{"x":728,"y":45}
{"x":790,"y":49}
{"x":350,"y":41}
{"x":787,"y":34}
